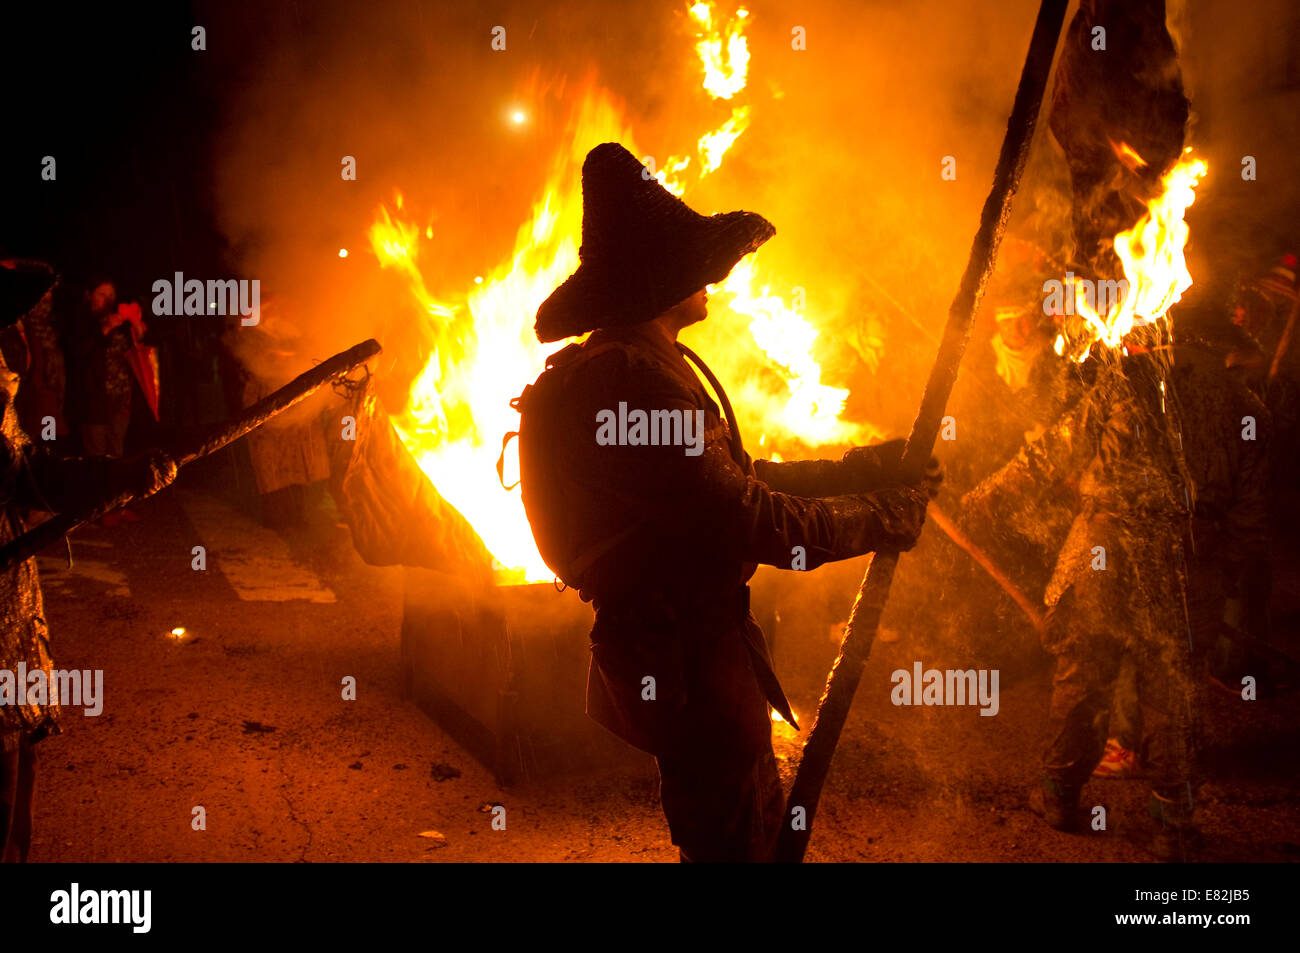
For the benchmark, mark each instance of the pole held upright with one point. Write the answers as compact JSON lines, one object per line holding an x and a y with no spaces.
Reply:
{"x":864,"y":618}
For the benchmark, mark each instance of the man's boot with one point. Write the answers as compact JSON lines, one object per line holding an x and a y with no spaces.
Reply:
{"x":1054,"y":804}
{"x":1169,"y":835}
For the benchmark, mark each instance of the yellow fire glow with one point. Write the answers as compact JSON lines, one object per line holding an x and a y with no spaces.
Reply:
{"x":1151,"y":253}
{"x":723,"y":53}
{"x":786,"y":337}
{"x":481,"y":349}
{"x":714,"y":145}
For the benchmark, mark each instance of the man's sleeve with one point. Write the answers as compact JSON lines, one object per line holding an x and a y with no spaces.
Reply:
{"x":1048,"y":460}
{"x":803,"y":477}
{"x":704,"y":486}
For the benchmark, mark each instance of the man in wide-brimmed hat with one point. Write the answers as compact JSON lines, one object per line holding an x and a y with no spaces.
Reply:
{"x":641,"y":496}
{"x":34,"y":476}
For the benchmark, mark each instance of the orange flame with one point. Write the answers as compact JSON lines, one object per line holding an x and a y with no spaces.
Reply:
{"x":1127,"y":155}
{"x":1155,"y":270}
{"x":714,"y":145}
{"x":482,"y":348}
{"x":724,"y":54}
{"x":811,"y":411}
{"x":482,"y":351}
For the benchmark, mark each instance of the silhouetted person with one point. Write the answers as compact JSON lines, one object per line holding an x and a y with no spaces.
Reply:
{"x":662,"y":530}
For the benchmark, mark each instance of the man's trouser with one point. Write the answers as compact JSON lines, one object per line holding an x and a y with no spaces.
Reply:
{"x":708,"y":725}
{"x":107,"y":438}
{"x":1125,"y":709}
{"x":719,"y":785}
{"x":1089,"y":639}
{"x":17,"y":790}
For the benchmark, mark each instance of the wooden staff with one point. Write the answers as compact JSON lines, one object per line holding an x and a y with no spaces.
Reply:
{"x":985,"y":562}
{"x":864,"y":618}
{"x":191,"y":448}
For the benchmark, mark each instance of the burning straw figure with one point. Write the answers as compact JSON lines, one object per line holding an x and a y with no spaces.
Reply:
{"x":1171,"y":509}
{"x":32,"y":478}
{"x":661,"y":530}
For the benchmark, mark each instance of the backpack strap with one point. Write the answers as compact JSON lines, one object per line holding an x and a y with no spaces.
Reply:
{"x":501,"y":460}
{"x":737,"y":445}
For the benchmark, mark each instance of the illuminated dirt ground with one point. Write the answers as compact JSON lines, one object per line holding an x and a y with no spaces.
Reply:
{"x":244,"y":717}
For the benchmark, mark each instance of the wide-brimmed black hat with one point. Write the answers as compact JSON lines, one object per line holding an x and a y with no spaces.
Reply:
{"x":643,"y":249}
{"x":23,"y":282}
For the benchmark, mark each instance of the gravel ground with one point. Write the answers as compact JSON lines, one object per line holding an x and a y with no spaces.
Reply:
{"x":244,"y":717}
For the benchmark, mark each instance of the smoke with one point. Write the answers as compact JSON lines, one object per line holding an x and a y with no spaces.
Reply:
{"x":846,"y":153}
{"x":1242,"y":75}
{"x":872,"y":150}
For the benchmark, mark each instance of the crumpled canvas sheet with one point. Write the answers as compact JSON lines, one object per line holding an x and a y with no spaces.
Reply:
{"x":396,"y":515}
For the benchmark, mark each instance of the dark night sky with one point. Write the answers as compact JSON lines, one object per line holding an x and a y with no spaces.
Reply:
{"x":123,"y":103}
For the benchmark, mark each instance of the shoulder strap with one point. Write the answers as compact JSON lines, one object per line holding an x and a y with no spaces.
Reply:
{"x":737,"y":445}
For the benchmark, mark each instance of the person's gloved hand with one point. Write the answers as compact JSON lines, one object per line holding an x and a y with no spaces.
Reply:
{"x":144,"y":474}
{"x":881,"y":463}
{"x":901,"y":514}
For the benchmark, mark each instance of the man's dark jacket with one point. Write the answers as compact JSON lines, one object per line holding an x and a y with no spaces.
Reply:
{"x":662,"y":542}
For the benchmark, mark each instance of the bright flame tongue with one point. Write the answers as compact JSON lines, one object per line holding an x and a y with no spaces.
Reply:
{"x":724,"y":76}
{"x":714,"y":145}
{"x":813,"y":409}
{"x":483,"y":351}
{"x":1152,"y":255}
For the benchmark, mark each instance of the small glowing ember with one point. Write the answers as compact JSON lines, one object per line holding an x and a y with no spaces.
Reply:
{"x":1128,"y":155}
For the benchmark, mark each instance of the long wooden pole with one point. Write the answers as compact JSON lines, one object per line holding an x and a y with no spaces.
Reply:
{"x":191,"y":448}
{"x":985,"y":562}
{"x":864,"y":618}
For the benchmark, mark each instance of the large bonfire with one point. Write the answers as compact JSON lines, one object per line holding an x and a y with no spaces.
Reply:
{"x":481,"y":343}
